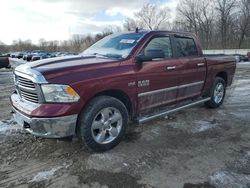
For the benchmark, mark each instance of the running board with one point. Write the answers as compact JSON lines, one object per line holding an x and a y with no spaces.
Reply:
{"x":163,"y":113}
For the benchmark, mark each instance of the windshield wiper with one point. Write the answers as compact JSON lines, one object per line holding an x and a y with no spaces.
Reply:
{"x":99,"y":55}
{"x":116,"y":56}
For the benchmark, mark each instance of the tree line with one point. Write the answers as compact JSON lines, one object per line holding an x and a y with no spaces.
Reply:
{"x":77,"y":43}
{"x":219,"y":24}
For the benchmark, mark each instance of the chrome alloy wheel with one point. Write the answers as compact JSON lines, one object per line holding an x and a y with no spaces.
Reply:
{"x":219,"y":93}
{"x":106,"y":125}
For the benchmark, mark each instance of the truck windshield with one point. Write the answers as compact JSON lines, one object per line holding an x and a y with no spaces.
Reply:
{"x":115,"y":45}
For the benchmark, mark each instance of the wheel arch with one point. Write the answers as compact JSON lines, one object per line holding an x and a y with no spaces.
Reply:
{"x":223,"y":75}
{"x":120,"y":95}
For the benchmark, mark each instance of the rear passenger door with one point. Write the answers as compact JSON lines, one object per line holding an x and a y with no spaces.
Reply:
{"x":191,"y":68}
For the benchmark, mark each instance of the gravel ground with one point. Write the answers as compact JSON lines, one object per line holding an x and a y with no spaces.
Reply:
{"x":194,"y":148}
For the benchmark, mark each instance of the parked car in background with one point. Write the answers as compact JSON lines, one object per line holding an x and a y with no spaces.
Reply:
{"x":60,"y":54}
{"x":70,"y":53}
{"x":6,"y":55}
{"x":136,"y":76}
{"x":248,"y":55}
{"x":40,"y":56}
{"x":25,"y":56}
{"x":240,"y":58}
{"x":4,"y":62}
{"x":28,"y":56}
{"x":19,"y":55}
{"x":13,"y":55}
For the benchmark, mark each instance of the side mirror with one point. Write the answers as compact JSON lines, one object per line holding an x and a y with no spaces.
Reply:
{"x":141,"y":58}
{"x":150,"y":55}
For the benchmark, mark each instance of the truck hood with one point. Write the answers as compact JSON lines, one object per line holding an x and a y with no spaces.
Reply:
{"x":61,"y":63}
{"x":61,"y":66}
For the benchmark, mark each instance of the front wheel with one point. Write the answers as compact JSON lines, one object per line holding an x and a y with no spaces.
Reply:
{"x":217,"y":93}
{"x":102,"y":123}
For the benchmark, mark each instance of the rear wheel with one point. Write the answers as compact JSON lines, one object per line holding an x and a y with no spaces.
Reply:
{"x":217,"y":93}
{"x":102,"y":123}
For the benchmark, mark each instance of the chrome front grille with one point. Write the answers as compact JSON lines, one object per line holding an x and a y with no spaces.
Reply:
{"x":24,"y":82}
{"x":26,"y":89}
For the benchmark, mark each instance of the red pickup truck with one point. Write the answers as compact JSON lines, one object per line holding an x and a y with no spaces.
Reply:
{"x":134,"y":76}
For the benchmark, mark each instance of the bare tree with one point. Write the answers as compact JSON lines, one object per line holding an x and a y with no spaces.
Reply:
{"x":188,"y":11}
{"x":20,"y":45}
{"x":76,"y":42}
{"x":130,"y":24}
{"x":42,"y":44}
{"x":110,"y":29}
{"x":225,"y":10}
{"x":3,"y":47}
{"x":152,"y":16}
{"x":205,"y":19}
{"x":243,"y":21}
{"x":197,"y":17}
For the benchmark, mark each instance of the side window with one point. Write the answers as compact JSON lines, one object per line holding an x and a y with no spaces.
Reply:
{"x":160,"y":43}
{"x":185,"y":47}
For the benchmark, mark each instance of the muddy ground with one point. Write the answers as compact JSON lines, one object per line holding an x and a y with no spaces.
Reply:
{"x":194,"y":148}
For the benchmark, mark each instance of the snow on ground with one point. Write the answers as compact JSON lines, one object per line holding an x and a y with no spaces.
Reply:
{"x":202,"y":125}
{"x":48,"y":174}
{"x":15,"y":62}
{"x":229,"y":179}
{"x":244,"y":63}
{"x":8,"y":126}
{"x":44,"y":175}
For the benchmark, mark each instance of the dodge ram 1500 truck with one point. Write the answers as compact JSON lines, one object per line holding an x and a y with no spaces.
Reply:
{"x":134,"y":76}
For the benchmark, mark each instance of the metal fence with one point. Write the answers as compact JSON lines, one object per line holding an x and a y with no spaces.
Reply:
{"x":227,"y":51}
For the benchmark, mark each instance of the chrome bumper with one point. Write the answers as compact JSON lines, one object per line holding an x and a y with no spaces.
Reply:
{"x":58,"y":127}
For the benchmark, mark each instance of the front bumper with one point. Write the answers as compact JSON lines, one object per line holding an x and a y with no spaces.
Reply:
{"x":35,"y":118}
{"x":58,"y":127}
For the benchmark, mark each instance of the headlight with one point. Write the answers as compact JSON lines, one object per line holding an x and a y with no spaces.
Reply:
{"x":59,"y":93}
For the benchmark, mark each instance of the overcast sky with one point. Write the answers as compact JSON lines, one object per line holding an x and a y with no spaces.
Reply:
{"x":58,"y":19}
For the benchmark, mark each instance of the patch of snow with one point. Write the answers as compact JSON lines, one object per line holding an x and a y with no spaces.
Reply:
{"x":242,"y":114}
{"x":125,"y":164}
{"x":244,"y":63}
{"x":103,"y":157}
{"x":229,"y":179}
{"x":106,"y":161}
{"x":44,"y":175}
{"x":221,"y":177}
{"x":201,"y":126}
{"x":9,"y":126}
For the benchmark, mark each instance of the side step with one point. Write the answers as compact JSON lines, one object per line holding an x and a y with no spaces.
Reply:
{"x":163,"y":113}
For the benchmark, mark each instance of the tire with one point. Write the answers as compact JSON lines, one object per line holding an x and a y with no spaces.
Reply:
{"x":217,"y":93}
{"x":102,"y":123}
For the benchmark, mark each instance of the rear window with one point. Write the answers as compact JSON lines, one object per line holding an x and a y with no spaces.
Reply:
{"x":186,"y":47}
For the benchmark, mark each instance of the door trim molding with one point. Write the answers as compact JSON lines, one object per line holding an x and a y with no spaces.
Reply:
{"x":169,"y":89}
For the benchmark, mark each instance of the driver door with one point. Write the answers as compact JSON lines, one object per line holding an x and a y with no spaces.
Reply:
{"x":157,"y":79}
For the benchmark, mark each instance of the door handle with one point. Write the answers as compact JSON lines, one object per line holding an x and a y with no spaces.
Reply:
{"x":171,"y":68}
{"x":200,"y":64}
